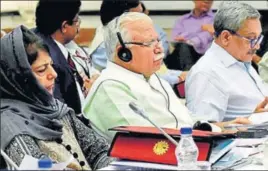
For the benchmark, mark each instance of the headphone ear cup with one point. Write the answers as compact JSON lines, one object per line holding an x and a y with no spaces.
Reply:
{"x":124,"y":54}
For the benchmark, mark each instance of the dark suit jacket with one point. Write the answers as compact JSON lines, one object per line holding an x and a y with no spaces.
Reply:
{"x":65,"y":85}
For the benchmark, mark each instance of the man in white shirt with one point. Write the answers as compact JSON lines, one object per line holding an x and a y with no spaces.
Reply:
{"x":223,"y":85}
{"x":130,"y":77}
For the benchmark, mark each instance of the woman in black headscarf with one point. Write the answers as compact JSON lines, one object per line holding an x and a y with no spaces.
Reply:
{"x":32,"y":121}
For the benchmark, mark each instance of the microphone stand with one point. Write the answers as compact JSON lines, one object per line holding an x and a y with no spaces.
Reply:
{"x":134,"y":107}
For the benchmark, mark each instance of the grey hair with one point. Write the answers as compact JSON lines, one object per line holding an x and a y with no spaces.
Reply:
{"x":119,"y":25}
{"x":232,"y":14}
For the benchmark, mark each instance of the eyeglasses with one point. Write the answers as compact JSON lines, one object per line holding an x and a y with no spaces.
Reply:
{"x":253,"y":42}
{"x":146,"y":44}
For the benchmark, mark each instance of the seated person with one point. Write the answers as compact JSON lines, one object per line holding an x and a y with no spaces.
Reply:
{"x":130,"y":77}
{"x":97,"y":49}
{"x":32,"y":121}
{"x":263,"y":68}
{"x":58,"y":23}
{"x":193,"y":33}
{"x":223,"y":85}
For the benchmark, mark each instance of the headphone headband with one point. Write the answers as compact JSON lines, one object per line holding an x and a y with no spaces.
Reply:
{"x":120,"y":39}
{"x":123,"y":53}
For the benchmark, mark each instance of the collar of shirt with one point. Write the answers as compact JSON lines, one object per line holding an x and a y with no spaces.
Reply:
{"x":75,"y":50}
{"x":62,"y":48}
{"x":71,"y":47}
{"x":227,"y":59}
{"x":114,"y":68}
{"x":209,"y":13}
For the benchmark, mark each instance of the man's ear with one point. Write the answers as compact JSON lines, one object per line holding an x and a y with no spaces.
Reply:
{"x":225,"y":37}
{"x":64,"y":26}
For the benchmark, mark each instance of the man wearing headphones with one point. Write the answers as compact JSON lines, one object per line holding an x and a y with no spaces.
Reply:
{"x":135,"y":54}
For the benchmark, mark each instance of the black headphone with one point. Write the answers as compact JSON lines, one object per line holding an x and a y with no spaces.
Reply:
{"x":123,"y":53}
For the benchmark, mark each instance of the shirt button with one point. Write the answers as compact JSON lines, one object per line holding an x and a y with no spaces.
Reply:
{"x":82,"y":163}
{"x":26,"y":122}
{"x":75,"y":155}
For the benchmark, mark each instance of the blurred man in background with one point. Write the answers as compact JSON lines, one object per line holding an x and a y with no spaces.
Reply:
{"x":193,"y":34}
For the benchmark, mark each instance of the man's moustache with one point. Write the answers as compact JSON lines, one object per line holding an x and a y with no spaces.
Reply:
{"x":159,"y":56}
{"x":252,"y":52}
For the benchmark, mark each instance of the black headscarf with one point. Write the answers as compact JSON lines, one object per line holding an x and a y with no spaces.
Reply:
{"x":26,"y":106}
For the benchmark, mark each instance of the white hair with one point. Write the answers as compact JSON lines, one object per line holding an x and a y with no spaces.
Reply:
{"x":119,"y":25}
{"x":232,"y":14}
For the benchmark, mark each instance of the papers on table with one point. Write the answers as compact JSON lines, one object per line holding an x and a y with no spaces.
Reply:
{"x":249,"y":142}
{"x":31,"y":163}
{"x":221,"y":148}
{"x":135,"y":165}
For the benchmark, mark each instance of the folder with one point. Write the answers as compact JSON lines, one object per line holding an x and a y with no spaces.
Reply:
{"x":148,"y":144}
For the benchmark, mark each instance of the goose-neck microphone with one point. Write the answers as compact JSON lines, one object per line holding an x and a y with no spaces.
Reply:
{"x":141,"y":112}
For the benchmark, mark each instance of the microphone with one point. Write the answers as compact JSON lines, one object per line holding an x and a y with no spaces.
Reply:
{"x":141,"y":112}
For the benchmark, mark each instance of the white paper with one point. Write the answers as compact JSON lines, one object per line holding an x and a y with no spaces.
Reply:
{"x":145,"y":165}
{"x":31,"y":163}
{"x":62,"y":165}
{"x":250,"y":142}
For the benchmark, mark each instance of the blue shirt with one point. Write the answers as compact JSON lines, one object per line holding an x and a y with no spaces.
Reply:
{"x":99,"y":57}
{"x":220,"y":88}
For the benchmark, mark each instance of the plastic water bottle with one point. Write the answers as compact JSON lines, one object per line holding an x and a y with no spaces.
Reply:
{"x":187,"y":152}
{"x":45,"y":164}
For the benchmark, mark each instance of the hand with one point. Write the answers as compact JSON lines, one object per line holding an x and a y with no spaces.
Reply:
{"x":88,"y":83}
{"x":261,"y":107}
{"x":180,"y":39}
{"x":256,"y":59}
{"x":208,"y":27}
{"x":183,"y":75}
{"x":239,"y":120}
{"x":73,"y":166}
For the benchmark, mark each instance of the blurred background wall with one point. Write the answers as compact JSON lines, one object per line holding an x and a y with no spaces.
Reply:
{"x":163,"y":13}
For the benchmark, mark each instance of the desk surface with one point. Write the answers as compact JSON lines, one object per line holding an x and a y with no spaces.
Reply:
{"x":253,"y":160}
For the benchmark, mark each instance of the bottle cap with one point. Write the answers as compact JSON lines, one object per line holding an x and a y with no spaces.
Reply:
{"x":44,"y":163}
{"x":186,"y":130}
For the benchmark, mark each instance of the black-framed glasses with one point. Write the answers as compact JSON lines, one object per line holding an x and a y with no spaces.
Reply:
{"x":146,"y":44}
{"x":253,"y":42}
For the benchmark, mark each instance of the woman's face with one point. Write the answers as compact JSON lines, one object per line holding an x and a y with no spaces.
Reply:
{"x":43,"y":70}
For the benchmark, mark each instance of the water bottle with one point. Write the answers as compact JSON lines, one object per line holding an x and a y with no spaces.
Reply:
{"x":187,"y":152}
{"x":44,"y":164}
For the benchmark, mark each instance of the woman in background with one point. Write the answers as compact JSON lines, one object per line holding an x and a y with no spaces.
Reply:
{"x":32,"y":121}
